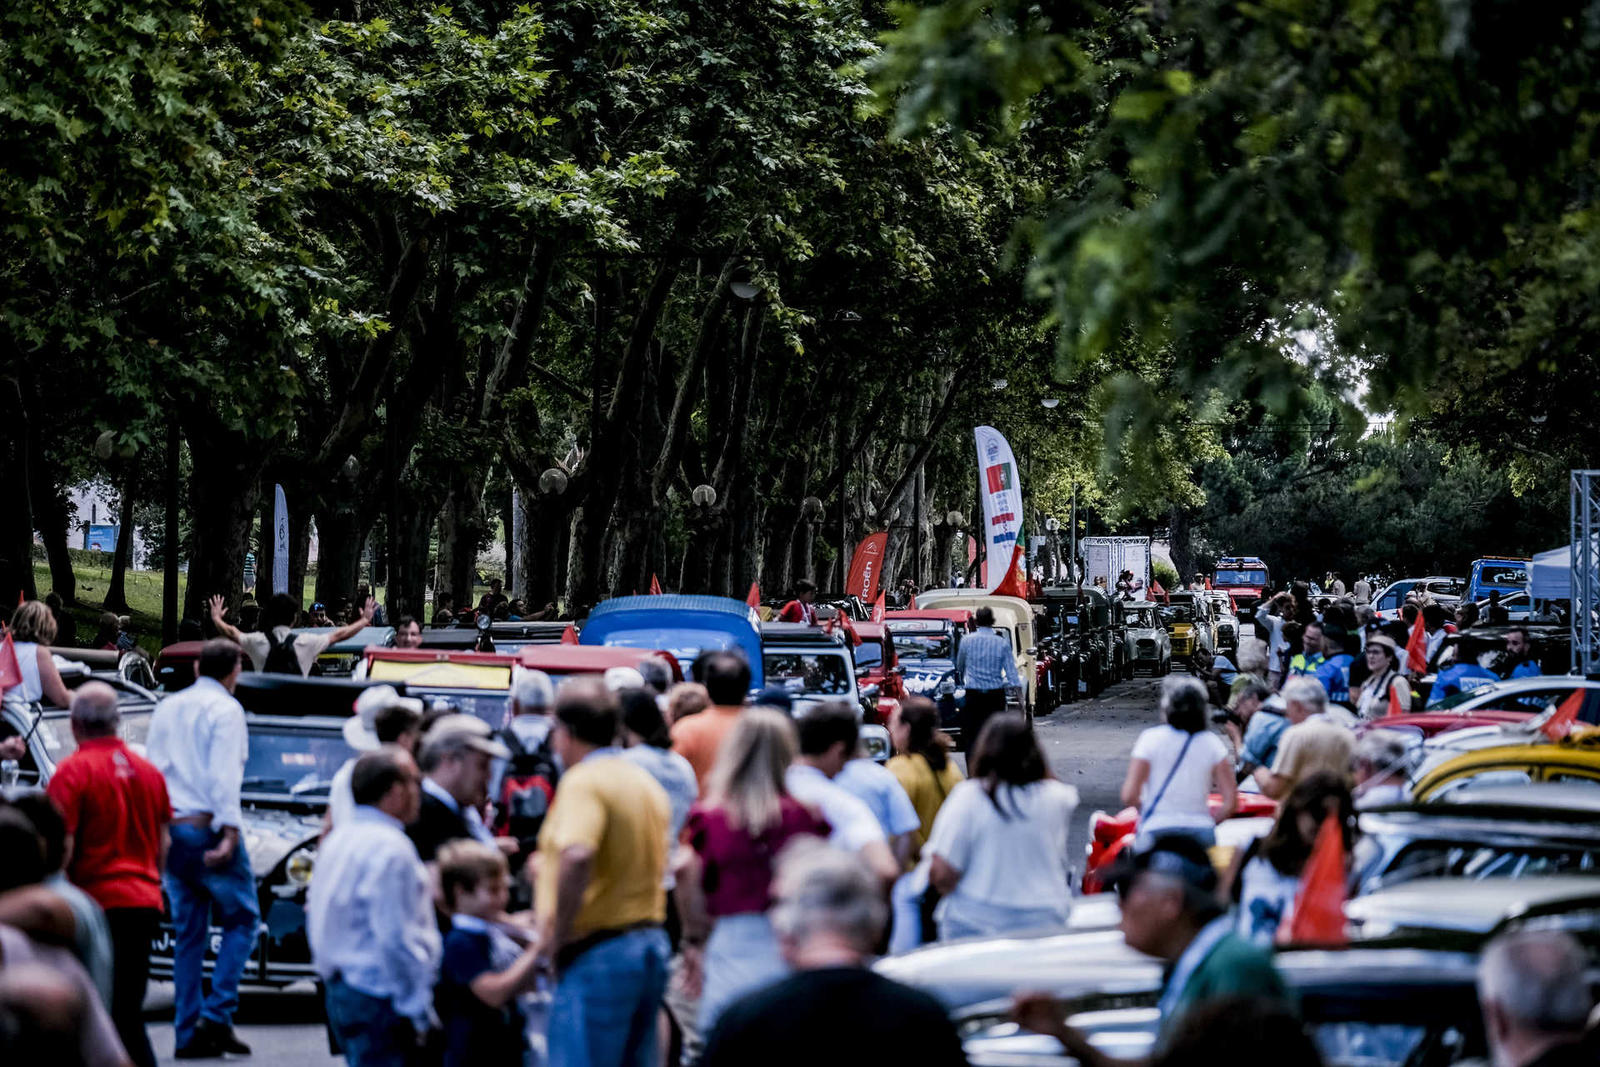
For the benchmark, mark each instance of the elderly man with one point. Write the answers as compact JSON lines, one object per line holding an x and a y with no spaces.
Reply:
{"x":600,"y":896}
{"x":114,"y":804}
{"x":1259,"y":726}
{"x":1170,"y":911}
{"x":523,"y":785}
{"x":987,"y":667}
{"x":198,"y":741}
{"x":1536,"y":1000}
{"x":371,"y":923}
{"x":1382,"y":760}
{"x":456,"y":755}
{"x":829,"y":916}
{"x":1313,"y":741}
{"x":383,"y":717}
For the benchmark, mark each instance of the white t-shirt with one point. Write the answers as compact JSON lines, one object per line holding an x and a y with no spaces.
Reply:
{"x":854,"y":825}
{"x":307,"y":647}
{"x":1183,"y":804}
{"x":1017,"y":859}
{"x":1266,"y":900}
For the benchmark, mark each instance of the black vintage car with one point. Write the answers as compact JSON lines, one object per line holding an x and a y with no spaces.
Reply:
{"x":1086,"y":652}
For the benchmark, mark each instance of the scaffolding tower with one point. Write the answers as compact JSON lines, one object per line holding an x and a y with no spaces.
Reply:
{"x":1585,"y":571}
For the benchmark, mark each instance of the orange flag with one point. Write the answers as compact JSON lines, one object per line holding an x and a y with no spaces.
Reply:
{"x":10,"y":669}
{"x":878,"y":608}
{"x":569,"y":636}
{"x":1395,"y":707}
{"x":655,"y":586}
{"x":1558,"y":725}
{"x":1417,"y":648}
{"x":1318,"y":918}
{"x":1015,"y":583}
{"x":753,"y":598}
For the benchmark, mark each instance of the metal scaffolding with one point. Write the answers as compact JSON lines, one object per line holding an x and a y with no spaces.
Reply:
{"x":1585,"y":571}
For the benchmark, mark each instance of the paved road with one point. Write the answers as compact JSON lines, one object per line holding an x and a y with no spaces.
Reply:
{"x":1087,"y":744}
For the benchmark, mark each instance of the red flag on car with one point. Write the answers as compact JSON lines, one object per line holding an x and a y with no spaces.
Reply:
{"x":569,"y":636}
{"x":1417,"y":648}
{"x":1318,"y":917}
{"x":1555,"y":727}
{"x":878,"y":608}
{"x":1156,"y":590}
{"x":1015,"y":583}
{"x":655,"y":586}
{"x":753,"y":598}
{"x":10,"y":669}
{"x":1395,"y":707}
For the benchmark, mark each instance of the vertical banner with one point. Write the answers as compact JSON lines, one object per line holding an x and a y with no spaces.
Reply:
{"x":280,"y":541}
{"x":1001,"y":491}
{"x":866,"y":568}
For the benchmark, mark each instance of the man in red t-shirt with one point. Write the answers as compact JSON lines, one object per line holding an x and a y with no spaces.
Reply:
{"x":116,"y":809}
{"x":801,"y":608}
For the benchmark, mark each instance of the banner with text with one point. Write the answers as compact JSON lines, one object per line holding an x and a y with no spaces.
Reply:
{"x":280,"y":541}
{"x":1001,"y":491}
{"x":866,"y":567}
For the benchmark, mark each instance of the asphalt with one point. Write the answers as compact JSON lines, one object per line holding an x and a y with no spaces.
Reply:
{"x":1087,"y":744}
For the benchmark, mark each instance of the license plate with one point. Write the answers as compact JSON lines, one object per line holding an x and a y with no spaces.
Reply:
{"x":166,"y":941}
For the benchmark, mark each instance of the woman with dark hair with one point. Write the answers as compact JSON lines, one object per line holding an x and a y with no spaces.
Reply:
{"x":1384,"y":681}
{"x":926,"y":772}
{"x":1175,"y":766}
{"x":646,"y":742}
{"x":1269,"y":871}
{"x":997,"y":853}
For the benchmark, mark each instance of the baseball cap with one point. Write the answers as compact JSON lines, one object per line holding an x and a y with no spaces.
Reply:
{"x":474,"y":732}
{"x":361,"y":729}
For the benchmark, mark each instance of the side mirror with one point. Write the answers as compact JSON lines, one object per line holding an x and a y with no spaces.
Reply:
{"x":876,"y":744}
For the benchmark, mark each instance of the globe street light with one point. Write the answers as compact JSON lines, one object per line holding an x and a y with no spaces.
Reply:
{"x":553,"y":482}
{"x":704,"y":496}
{"x":1049,"y":403}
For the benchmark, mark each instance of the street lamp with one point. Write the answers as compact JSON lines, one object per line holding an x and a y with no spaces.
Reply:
{"x":704,"y":496}
{"x":553,"y":482}
{"x":1049,"y":403}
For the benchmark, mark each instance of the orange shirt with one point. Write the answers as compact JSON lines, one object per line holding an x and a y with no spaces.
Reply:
{"x":698,"y":738}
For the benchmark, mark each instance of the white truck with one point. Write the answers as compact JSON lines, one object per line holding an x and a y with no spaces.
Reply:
{"x":1107,"y":557}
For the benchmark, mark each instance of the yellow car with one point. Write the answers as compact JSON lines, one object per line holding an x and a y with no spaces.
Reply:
{"x":1575,"y":759}
{"x":1188,"y":619}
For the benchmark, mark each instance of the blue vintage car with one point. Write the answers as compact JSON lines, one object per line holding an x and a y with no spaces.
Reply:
{"x":682,"y":624}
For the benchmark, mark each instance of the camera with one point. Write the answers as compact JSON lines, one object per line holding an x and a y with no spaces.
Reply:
{"x":1223,"y":715}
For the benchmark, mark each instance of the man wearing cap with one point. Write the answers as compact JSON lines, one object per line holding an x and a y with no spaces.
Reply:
{"x":455,"y":764}
{"x":1170,"y":911}
{"x":523,"y":784}
{"x":382,"y":717}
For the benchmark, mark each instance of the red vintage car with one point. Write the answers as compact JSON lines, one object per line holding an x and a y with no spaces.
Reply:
{"x":1110,"y":834}
{"x":1427,"y":724}
{"x":876,"y":664}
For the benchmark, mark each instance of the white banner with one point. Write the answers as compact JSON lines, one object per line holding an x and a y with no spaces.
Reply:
{"x":1000,"y":486}
{"x":280,"y":541}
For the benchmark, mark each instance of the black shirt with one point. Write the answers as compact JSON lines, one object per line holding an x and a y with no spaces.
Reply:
{"x":840,"y":1016}
{"x":475,"y":1034}
{"x":435,"y":825}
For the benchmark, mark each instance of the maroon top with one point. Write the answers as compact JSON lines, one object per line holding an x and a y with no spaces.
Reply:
{"x":736,"y":868}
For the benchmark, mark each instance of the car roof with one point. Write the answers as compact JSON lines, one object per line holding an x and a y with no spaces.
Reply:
{"x":799,"y":634}
{"x":590,"y":659}
{"x":1474,"y":906}
{"x":718,"y":605}
{"x":291,"y":695}
{"x":957,"y":615}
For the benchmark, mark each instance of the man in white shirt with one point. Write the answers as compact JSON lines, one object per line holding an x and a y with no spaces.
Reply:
{"x":198,"y":741}
{"x":383,"y":717}
{"x":828,"y":739}
{"x":374,"y":938}
{"x":275,"y":649}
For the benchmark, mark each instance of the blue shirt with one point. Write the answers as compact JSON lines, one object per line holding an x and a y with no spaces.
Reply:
{"x":1461,"y":678}
{"x":986,"y":661}
{"x":1261,"y":736}
{"x":881,"y":791}
{"x":1334,"y":674}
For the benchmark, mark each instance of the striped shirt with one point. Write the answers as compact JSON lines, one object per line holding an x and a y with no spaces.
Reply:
{"x":987,"y":662}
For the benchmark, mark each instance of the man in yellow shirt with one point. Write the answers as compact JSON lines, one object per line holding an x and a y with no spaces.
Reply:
{"x":602,"y":857}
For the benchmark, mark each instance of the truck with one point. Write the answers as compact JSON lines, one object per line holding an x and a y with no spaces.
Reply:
{"x":1244,"y":578}
{"x":1107,"y":557}
{"x":1497,"y":574}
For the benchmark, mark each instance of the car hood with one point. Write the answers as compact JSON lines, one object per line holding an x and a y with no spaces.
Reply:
{"x":271,"y":834}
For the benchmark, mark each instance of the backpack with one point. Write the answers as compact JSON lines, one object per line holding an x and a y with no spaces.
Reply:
{"x":280,"y":656}
{"x":526,"y":790}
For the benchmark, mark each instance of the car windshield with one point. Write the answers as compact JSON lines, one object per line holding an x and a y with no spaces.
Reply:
{"x":923,"y":646}
{"x":808,"y":672}
{"x":1241,"y":577}
{"x":684,"y":644}
{"x":1435,"y":859}
{"x":1179,"y":613}
{"x":294,"y":762}
{"x":869,"y":654}
{"x":1145,"y":618}
{"x":55,"y":733}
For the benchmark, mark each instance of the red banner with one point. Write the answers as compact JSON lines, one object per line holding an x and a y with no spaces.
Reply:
{"x":866,"y":569}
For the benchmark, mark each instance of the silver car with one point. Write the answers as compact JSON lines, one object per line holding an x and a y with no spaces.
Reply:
{"x":1147,"y":634}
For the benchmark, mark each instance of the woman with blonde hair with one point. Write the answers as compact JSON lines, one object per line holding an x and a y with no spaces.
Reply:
{"x":736,"y":834}
{"x":33,"y":630}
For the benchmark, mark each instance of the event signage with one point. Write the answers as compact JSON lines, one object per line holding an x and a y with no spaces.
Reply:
{"x":866,"y":567}
{"x":280,"y":541}
{"x":1001,"y":492}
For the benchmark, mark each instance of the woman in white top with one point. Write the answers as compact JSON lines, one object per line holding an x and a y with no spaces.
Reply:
{"x":1385,"y":682}
{"x":997,"y":853}
{"x":1269,"y":870}
{"x":1176,"y":766}
{"x":33,"y":630}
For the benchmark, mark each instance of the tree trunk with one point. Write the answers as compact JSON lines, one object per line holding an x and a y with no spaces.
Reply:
{"x":341,"y":535}
{"x":1180,"y":545}
{"x":50,"y":515}
{"x":169,"y":559}
{"x":117,"y":592}
{"x":408,"y":559}
{"x":16,"y":517}
{"x":223,"y":496}
{"x":299,"y":550}
{"x":461,"y":532}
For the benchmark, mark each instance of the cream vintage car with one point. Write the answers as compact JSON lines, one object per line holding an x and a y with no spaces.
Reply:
{"x":1013,"y":619}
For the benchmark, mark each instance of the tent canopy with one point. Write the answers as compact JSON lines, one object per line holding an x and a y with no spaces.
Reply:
{"x":1550,"y":576}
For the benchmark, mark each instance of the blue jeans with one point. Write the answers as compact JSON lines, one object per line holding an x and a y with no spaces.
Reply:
{"x":605,"y":1006}
{"x":198,"y":894}
{"x":370,"y":1032}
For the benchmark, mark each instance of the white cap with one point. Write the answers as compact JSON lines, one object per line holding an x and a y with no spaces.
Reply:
{"x":361,"y":730}
{"x":619,"y":678}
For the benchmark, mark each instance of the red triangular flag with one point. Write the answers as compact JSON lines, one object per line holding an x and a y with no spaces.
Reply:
{"x":849,"y":628}
{"x":1318,"y":917}
{"x":1015,"y":583}
{"x":655,"y":586}
{"x":753,"y":598}
{"x":879,"y":608}
{"x":1155,"y":588}
{"x":1395,"y":707}
{"x":1417,"y":648}
{"x":1556,"y":726}
{"x":10,"y":669}
{"x":569,"y":636}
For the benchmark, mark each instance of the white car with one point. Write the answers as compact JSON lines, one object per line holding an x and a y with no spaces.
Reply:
{"x":1518,"y":607}
{"x":1227,"y":622}
{"x":1444,"y":590}
{"x":1533,"y":693}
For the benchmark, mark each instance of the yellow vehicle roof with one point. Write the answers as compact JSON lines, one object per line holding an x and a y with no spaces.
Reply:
{"x":442,"y":674}
{"x":1579,"y":752}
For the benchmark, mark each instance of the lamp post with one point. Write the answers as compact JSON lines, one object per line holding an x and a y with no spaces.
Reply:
{"x":1052,"y":527}
{"x":812,"y":512}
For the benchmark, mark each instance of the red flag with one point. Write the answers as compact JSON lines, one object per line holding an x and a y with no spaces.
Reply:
{"x":569,"y":636}
{"x":1556,"y":726}
{"x":1417,"y":648}
{"x":1015,"y":583}
{"x":1208,"y":584}
{"x":1318,"y":917}
{"x":1155,"y":588}
{"x":849,"y":628}
{"x":878,"y":608}
{"x":10,"y":669}
{"x":655,"y":586}
{"x":1395,"y":707}
{"x":866,"y":567}
{"x":753,"y":598}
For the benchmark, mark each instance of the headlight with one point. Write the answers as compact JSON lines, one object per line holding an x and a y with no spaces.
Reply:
{"x":961,"y":694}
{"x":297,"y":868}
